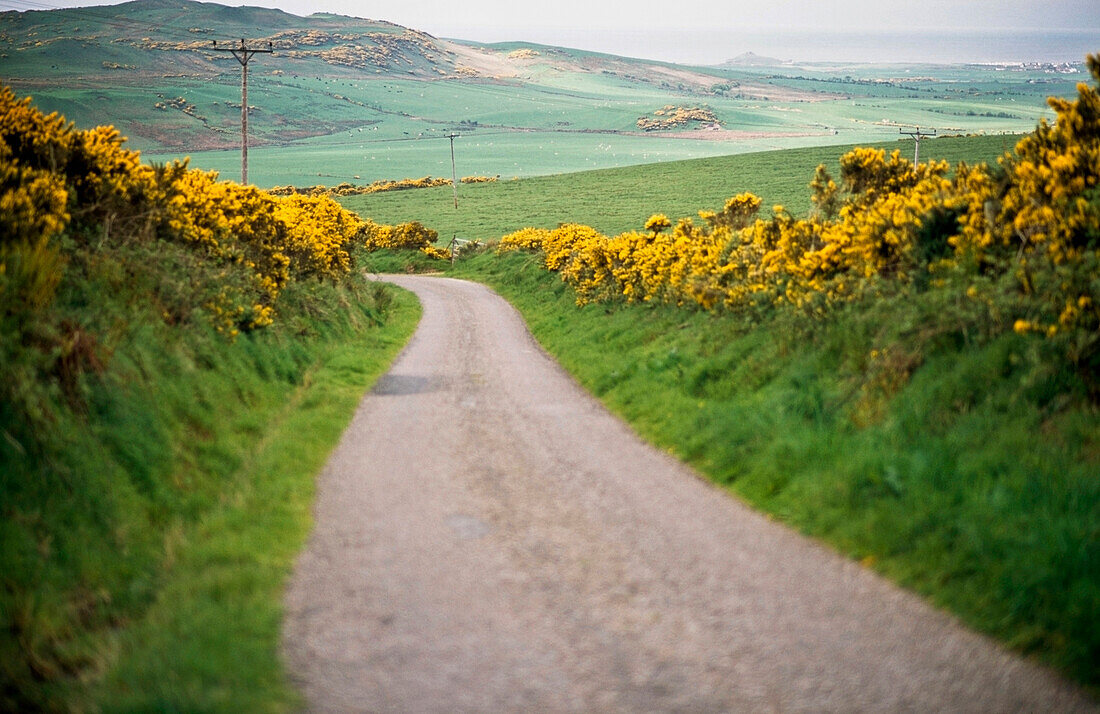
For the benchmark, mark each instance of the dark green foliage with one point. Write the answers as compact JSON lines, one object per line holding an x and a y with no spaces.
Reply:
{"x":932,"y":242}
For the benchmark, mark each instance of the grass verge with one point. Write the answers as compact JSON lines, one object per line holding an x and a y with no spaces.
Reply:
{"x":210,"y":641}
{"x":148,"y":536}
{"x":966,"y":481}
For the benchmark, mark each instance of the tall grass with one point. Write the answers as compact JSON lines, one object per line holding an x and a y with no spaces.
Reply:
{"x":152,"y":516}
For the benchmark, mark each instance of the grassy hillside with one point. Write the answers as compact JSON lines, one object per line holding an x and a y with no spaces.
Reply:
{"x":617,"y":200}
{"x":126,"y":64}
{"x":343,"y":98}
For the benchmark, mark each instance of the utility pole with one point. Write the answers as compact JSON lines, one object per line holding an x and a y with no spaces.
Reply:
{"x":454,"y":175}
{"x":917,"y":136}
{"x":243,"y":53}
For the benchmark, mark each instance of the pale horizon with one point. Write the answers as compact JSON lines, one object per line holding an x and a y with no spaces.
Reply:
{"x":712,"y":31}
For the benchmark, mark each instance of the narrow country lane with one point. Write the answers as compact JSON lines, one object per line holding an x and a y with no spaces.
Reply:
{"x":488,"y":538}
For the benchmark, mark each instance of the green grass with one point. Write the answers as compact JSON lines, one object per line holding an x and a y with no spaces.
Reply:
{"x":151,"y":519}
{"x":968,"y":485}
{"x":617,"y":200}
{"x":210,"y":641}
{"x":506,"y":153}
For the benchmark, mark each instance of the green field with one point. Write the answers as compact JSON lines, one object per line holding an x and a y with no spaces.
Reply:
{"x":617,"y":200}
{"x":525,"y":130}
{"x":506,"y":153}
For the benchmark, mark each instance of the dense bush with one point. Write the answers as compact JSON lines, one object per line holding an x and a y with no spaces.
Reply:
{"x":350,"y":189}
{"x":404,"y":236}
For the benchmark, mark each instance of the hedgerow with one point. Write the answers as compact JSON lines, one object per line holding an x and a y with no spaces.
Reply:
{"x":76,"y":202}
{"x":1014,"y":246}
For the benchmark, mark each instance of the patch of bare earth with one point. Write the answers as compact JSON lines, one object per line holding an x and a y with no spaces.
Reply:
{"x":486,"y":62}
{"x":497,"y":64}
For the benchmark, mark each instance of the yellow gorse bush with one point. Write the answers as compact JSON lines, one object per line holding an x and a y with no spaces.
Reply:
{"x":524,"y":239}
{"x":1052,"y":173}
{"x":671,"y":117}
{"x":236,"y":225}
{"x":404,"y":236}
{"x":1034,"y":218}
{"x":319,"y":234}
{"x":56,"y":179}
{"x":34,"y":204}
{"x":350,"y":189}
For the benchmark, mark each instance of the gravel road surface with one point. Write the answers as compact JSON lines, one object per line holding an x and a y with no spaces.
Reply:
{"x":488,"y":538}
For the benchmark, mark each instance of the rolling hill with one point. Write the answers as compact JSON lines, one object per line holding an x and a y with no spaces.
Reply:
{"x":348,"y":99}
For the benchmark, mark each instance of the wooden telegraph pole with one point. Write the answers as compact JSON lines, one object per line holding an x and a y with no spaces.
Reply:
{"x":917,"y":136}
{"x":454,"y":187}
{"x":243,"y":53}
{"x":454,"y":174}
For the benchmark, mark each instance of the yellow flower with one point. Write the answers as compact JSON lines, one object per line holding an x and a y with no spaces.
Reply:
{"x":657,"y":223}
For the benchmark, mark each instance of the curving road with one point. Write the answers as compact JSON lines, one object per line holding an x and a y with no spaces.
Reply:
{"x":489,"y":538}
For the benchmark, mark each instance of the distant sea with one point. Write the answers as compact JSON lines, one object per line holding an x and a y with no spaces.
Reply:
{"x":920,"y":46}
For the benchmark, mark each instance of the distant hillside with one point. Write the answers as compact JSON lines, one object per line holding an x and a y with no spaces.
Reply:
{"x":88,"y":56}
{"x":92,"y":62}
{"x":751,"y":59}
{"x":350,"y":99}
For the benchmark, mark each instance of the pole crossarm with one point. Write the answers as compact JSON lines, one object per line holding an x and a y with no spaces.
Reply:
{"x":243,"y":53}
{"x":916,"y":135}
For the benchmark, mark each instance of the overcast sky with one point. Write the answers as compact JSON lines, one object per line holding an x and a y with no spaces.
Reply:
{"x":686,"y":30}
